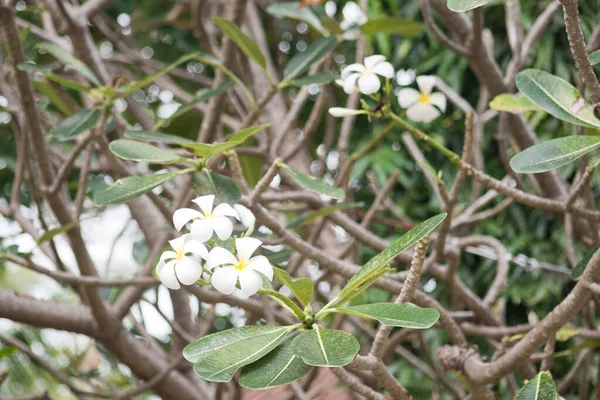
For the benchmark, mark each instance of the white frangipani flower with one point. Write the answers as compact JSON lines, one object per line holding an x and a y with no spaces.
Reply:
{"x":247,"y":218}
{"x":340,"y":112}
{"x":354,"y":17}
{"x":405,"y":77}
{"x":366,"y":75}
{"x":243,"y":267}
{"x":176,"y":267}
{"x":208,"y":220}
{"x":421,"y":104}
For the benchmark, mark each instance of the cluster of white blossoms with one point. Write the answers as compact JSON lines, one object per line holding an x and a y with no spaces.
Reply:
{"x":183,"y":264}
{"x":421,"y":105}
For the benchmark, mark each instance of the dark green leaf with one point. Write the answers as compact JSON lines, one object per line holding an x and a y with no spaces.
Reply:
{"x":302,"y":61}
{"x":541,"y":387}
{"x":77,"y":123}
{"x":224,"y":188}
{"x":129,"y":188}
{"x":405,"y":315}
{"x":210,"y":150}
{"x":325,"y":347}
{"x":583,"y":263}
{"x":55,"y":98}
{"x":315,"y":184}
{"x":55,"y":78}
{"x":319,"y":78}
{"x":156,"y":137}
{"x":322,"y":212}
{"x":553,"y":153}
{"x":291,"y":9}
{"x":302,"y":288}
{"x":392,"y":25}
{"x":138,"y":151}
{"x":246,"y":45}
{"x":67,"y":58}
{"x":466,"y":5}
{"x":595,"y":57}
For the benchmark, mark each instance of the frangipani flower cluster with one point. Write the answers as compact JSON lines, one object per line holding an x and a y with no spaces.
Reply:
{"x":421,"y":105}
{"x":354,"y":17}
{"x":183,"y":264}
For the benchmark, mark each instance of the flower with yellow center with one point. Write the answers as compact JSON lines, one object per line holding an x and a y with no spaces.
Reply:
{"x":177,"y":267}
{"x":366,"y":75}
{"x":207,"y":221}
{"x":422,"y":105}
{"x":244,"y":267}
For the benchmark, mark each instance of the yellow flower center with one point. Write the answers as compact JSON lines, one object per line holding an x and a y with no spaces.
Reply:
{"x":241,"y":265}
{"x":424,"y":98}
{"x":368,"y":72}
{"x":180,"y":254}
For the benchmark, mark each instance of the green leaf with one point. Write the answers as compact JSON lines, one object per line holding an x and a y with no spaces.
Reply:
{"x":379,"y":262}
{"x":302,"y":61}
{"x":322,"y":212}
{"x":405,"y":315}
{"x":325,"y":347}
{"x":319,"y":78}
{"x":201,"y":96}
{"x":277,"y":368}
{"x":55,"y":78}
{"x":315,"y":184}
{"x":252,"y":167}
{"x":53,"y":96}
{"x":595,"y":57}
{"x":82,"y":121}
{"x":67,"y":58}
{"x":512,"y":103}
{"x":553,"y":153}
{"x":210,"y":150}
{"x":557,"y":97}
{"x":138,"y":151}
{"x":129,"y":188}
{"x":302,"y":288}
{"x":50,"y":234}
{"x":583,"y":263}
{"x":156,"y":137}
{"x":466,"y":5}
{"x":392,"y":25}
{"x":541,"y":387}
{"x":224,"y":188}
{"x":291,"y":9}
{"x":246,"y":45}
{"x":219,"y":355}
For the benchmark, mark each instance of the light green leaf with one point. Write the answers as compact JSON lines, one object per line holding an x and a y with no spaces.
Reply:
{"x":218,"y":356}
{"x":583,"y":263}
{"x":541,"y":387}
{"x":156,"y":137}
{"x":277,"y":368}
{"x":392,"y":25}
{"x":138,"y":151}
{"x":53,"y":96}
{"x":210,"y":150}
{"x":379,"y":262}
{"x":557,"y":97}
{"x":553,"y":153}
{"x":223,"y":187}
{"x":302,"y":288}
{"x":246,"y":45}
{"x":512,"y":103}
{"x":129,"y":188}
{"x":55,"y":78}
{"x":466,"y":5}
{"x":82,"y":121}
{"x":319,"y":78}
{"x":322,"y":212}
{"x":405,"y":315}
{"x":325,"y":347}
{"x":595,"y":57}
{"x":50,"y":234}
{"x":291,"y":9}
{"x":302,"y":61}
{"x":67,"y":58}
{"x":252,"y":167}
{"x":315,"y":184}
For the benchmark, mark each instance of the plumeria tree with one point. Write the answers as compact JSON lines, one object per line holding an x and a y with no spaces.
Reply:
{"x":313,"y":199}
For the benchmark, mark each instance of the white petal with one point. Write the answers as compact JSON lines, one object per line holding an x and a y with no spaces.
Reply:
{"x":262,"y":265}
{"x":205,"y":203}
{"x":220,"y":256}
{"x":246,"y":216}
{"x":179,"y":243}
{"x":224,"y":279}
{"x":372,"y":61}
{"x":426,"y":83}
{"x":352,"y":68}
{"x":350,"y":83}
{"x":369,"y":84}
{"x":351,"y":34}
{"x":384,"y":69}
{"x":250,"y":282}
{"x":407,"y":97}
{"x":167,"y":255}
{"x":422,"y":112}
{"x":246,"y":247}
{"x":188,"y":270}
{"x":351,"y":11}
{"x":345,"y":25}
{"x":167,"y":275}
{"x":405,"y":77}
{"x":195,"y":247}
{"x":340,"y":112}
{"x":223,"y":227}
{"x":183,"y":216}
{"x":202,"y":229}
{"x":225,"y":210}
{"x":439,"y":100}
